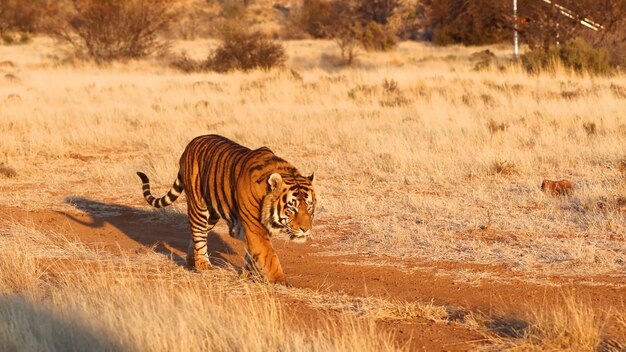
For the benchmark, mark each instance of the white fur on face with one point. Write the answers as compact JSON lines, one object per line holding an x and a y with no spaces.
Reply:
{"x":279,"y":222}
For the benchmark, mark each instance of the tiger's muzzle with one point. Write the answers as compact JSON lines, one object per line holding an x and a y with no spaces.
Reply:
{"x":300,"y":236}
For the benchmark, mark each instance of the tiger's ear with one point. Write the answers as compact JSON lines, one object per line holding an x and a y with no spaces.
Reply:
{"x":275,"y":180}
{"x":311,"y":177}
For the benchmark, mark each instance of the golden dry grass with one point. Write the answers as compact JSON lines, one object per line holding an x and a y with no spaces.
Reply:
{"x":79,"y":297}
{"x":571,"y":324}
{"x":415,"y":153}
{"x":412,"y":137}
{"x":58,"y":294}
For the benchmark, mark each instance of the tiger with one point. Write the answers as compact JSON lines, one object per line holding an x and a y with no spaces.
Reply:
{"x":257,"y":193}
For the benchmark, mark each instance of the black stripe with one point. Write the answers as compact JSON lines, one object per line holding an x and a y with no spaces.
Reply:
{"x":217,"y":181}
{"x":210,"y":168}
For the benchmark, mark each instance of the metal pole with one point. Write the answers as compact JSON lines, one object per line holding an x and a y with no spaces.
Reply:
{"x":515,"y":42}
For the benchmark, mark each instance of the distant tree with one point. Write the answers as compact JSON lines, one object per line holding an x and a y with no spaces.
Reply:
{"x":378,"y":11}
{"x":546,"y":24}
{"x":470,"y":22}
{"x":350,"y":22}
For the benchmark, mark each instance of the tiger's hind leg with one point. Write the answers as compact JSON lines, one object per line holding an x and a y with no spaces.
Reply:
{"x":201,"y":223}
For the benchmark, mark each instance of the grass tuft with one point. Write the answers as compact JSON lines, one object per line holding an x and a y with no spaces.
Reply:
{"x":7,"y":171}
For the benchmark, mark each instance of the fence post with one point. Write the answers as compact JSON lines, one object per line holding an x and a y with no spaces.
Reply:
{"x":515,"y":42}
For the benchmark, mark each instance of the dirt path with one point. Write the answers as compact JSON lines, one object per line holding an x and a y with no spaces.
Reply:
{"x":121,"y":228}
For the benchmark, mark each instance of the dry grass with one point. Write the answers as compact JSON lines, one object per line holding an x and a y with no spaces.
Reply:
{"x":7,"y":171}
{"x":81,"y":297}
{"x":375,"y":308}
{"x":569,"y":325}
{"x":415,"y":155}
{"x":408,"y":128}
{"x":59,"y":294}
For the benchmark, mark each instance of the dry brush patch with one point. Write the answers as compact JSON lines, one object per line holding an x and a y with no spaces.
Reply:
{"x":570,"y":324}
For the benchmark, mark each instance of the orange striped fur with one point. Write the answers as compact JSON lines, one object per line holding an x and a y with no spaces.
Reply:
{"x":257,"y":193}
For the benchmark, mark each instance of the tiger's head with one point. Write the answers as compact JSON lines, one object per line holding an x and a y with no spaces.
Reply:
{"x":289,"y":206}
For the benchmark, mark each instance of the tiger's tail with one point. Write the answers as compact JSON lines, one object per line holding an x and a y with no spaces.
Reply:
{"x":169,"y":198}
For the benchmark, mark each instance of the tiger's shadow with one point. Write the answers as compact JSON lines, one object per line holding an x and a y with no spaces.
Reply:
{"x":167,"y":232}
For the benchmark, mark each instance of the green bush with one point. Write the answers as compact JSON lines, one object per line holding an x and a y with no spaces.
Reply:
{"x":576,"y":55}
{"x":245,"y":52}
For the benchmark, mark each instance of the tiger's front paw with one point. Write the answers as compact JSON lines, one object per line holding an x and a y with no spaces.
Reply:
{"x":202,"y":264}
{"x":279,"y":280}
{"x":284,"y":283}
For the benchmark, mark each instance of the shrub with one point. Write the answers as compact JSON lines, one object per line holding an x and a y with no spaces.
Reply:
{"x":591,"y":128}
{"x":379,"y":11}
{"x":350,"y":22}
{"x":20,"y":16}
{"x":348,"y":46}
{"x":186,"y":64}
{"x":408,"y":23}
{"x":7,"y":39}
{"x":477,"y":22}
{"x":577,"y":55}
{"x":246,"y":51}
{"x":7,"y":171}
{"x":503,"y":168}
{"x":107,"y":30}
{"x":377,"y":37}
{"x":326,"y":19}
{"x":317,"y":18}
{"x":495,"y":127}
{"x":581,"y":56}
{"x":21,"y":38}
